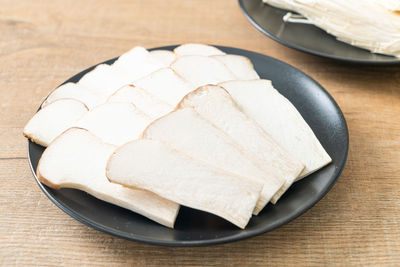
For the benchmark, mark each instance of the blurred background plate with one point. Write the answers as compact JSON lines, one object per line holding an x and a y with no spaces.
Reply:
{"x":306,"y":38}
{"x":196,"y":228}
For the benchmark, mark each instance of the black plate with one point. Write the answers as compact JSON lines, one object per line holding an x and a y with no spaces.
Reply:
{"x":194,"y":228}
{"x":306,"y":38}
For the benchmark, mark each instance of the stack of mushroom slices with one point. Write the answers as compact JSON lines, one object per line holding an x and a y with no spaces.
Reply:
{"x":160,"y":129}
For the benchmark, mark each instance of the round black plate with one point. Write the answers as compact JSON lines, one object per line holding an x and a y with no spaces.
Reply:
{"x":306,"y":38}
{"x":195,"y":228}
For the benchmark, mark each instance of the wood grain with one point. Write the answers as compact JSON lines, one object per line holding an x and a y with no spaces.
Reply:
{"x":42,"y":43}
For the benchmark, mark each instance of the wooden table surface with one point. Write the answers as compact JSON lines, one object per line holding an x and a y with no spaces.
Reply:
{"x":42,"y":43}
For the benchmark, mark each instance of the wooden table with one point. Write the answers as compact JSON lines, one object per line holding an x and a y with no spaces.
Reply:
{"x":42,"y":43}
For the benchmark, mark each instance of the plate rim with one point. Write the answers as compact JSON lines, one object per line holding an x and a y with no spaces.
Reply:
{"x":306,"y":50}
{"x":216,"y":241}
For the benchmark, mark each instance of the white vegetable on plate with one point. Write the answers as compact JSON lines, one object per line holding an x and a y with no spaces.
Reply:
{"x":54,"y":119}
{"x":186,"y":131}
{"x":281,"y":120}
{"x":78,"y":92}
{"x":197,"y":50}
{"x":370,"y":24}
{"x":114,"y":123}
{"x":216,"y":105}
{"x":164,"y":56}
{"x":240,"y":66}
{"x":156,"y":167}
{"x":77,"y":159}
{"x":103,"y":80}
{"x":137,"y":63}
{"x":166,"y":85}
{"x":202,"y":70}
{"x":143,"y":100}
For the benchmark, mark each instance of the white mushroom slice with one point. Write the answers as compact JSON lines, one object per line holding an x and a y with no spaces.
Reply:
{"x":103,"y":80}
{"x":201,"y":70}
{"x":240,"y":66}
{"x":137,"y":63}
{"x":75,"y":91}
{"x":281,"y":120}
{"x":217,"y":106}
{"x":144,"y":101}
{"x":197,"y":50}
{"x":186,"y":131}
{"x":53,"y":119}
{"x":115,"y":123}
{"x":154,"y":166}
{"x":166,"y":85}
{"x":77,"y":159}
{"x":164,"y":56}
